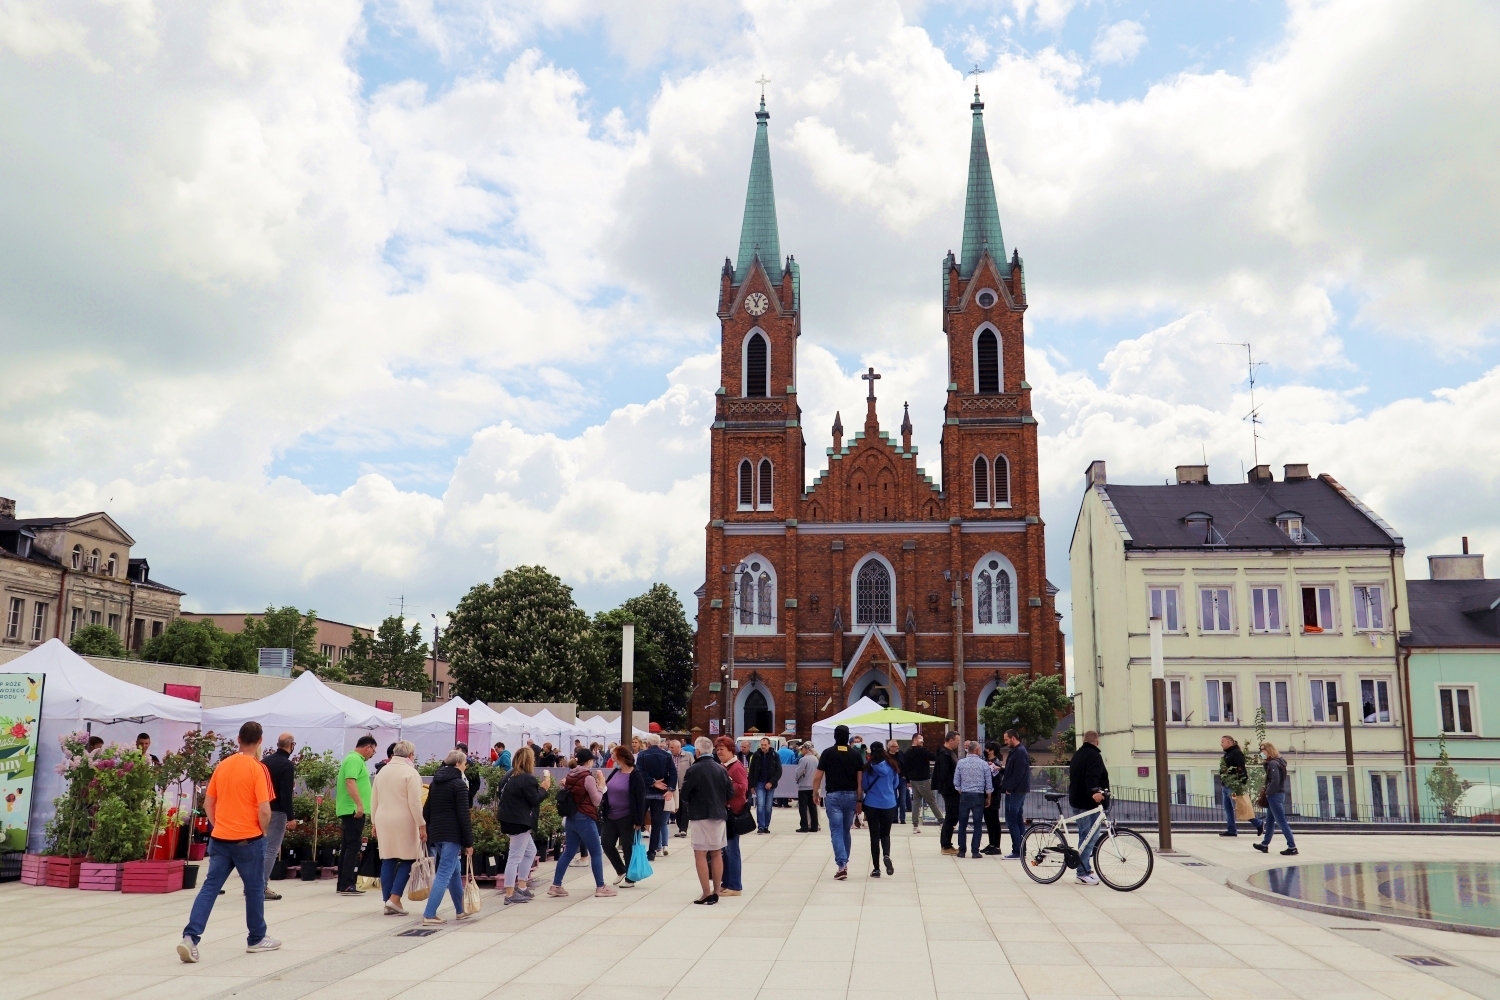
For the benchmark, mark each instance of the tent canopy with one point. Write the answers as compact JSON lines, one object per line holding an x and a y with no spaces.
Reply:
{"x":318,"y":716}
{"x":433,"y":733}
{"x":822,"y":730}
{"x":78,"y":691}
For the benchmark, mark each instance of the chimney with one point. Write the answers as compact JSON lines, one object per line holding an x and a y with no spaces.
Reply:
{"x":1295,"y":473}
{"x":1461,"y":567}
{"x":1192,"y":474}
{"x":1094,"y":474}
{"x":1466,"y":537}
{"x":1262,"y":474}
{"x":7,"y":507}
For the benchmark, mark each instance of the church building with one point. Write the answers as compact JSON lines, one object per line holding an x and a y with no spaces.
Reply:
{"x":877,"y":579}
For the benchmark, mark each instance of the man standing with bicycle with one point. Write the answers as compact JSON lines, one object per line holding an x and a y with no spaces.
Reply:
{"x":1088,"y":789}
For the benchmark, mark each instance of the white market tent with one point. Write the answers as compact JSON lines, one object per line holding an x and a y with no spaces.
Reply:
{"x":317,"y":715}
{"x":822,"y":731}
{"x":77,"y":695}
{"x":509,"y":727}
{"x":544,"y":727}
{"x":434,"y":733}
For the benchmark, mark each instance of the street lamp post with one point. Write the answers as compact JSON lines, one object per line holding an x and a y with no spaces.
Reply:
{"x":435,"y":636}
{"x":627,"y":684}
{"x":726,"y":696}
{"x":1159,"y":704}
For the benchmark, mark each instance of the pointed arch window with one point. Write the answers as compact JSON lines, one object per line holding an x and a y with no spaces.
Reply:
{"x":755,"y":597}
{"x":1001,"y":492}
{"x":763,"y":490}
{"x":992,"y":482}
{"x":994,"y":594}
{"x":981,"y":482}
{"x":747,"y":485}
{"x":987,"y":362}
{"x":874,"y":593}
{"x":757,"y":365}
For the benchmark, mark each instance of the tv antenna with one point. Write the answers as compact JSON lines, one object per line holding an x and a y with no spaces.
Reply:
{"x":1254,"y":415}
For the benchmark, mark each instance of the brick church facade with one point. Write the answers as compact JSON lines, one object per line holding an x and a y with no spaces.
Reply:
{"x":875,"y":579}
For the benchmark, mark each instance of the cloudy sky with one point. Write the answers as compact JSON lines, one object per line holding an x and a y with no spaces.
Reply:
{"x":334,"y":303}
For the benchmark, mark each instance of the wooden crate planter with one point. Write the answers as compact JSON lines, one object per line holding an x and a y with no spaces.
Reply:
{"x":98,"y":877}
{"x":62,"y":873}
{"x":152,"y":876}
{"x":33,"y":869}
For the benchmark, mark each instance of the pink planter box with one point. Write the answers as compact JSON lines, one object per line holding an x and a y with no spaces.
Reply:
{"x":33,"y":869}
{"x":99,"y":877}
{"x":152,"y":876}
{"x":62,"y":873}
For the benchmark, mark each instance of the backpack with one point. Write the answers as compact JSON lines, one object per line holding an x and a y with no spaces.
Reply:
{"x":566,"y":805}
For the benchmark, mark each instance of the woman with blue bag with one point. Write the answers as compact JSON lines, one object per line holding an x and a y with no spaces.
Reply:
{"x":881,"y":785}
{"x":622,"y":813}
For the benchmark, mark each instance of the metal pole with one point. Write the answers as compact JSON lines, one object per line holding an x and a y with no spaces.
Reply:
{"x":435,"y":637}
{"x":627,"y":684}
{"x":1349,"y":756}
{"x":958,"y":666}
{"x":1159,"y":712}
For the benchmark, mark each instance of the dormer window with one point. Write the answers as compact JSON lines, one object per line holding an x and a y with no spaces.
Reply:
{"x":1291,"y":524}
{"x":1202,"y":527}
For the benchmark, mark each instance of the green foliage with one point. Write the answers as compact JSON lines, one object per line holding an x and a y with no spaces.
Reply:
{"x":549,"y":823}
{"x":1064,"y":743}
{"x":69,"y":829}
{"x":520,"y":638}
{"x":1031,"y":707}
{"x":430,"y":767}
{"x":493,"y":775}
{"x":1443,"y":782}
{"x":289,"y":628}
{"x":1255,"y":770}
{"x":202,"y":644}
{"x":97,"y":640}
{"x":394,"y":658}
{"x":663,"y":657}
{"x":121,"y":832}
{"x":488,"y":840}
{"x":317,"y":771}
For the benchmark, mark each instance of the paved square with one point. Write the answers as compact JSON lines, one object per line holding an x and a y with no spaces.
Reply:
{"x":942,"y":927}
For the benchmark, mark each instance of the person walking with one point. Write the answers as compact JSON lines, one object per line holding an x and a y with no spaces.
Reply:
{"x":396,"y":823}
{"x":237,"y":802}
{"x":739,"y":803}
{"x":449,"y":833}
{"x":352,"y":802}
{"x":807,"y":809}
{"x":789,"y":755}
{"x":521,"y":797}
{"x":1088,"y":788}
{"x":972,"y":779}
{"x":917,"y":766}
{"x":942,"y":783}
{"x":704,"y":801}
{"x":581,"y":830}
{"x":1276,"y":791}
{"x":765,"y":773}
{"x":283,"y":786}
{"x":992,"y":804}
{"x":682,"y":759}
{"x":903,"y":794}
{"x":661,"y":780}
{"x":836,"y":787}
{"x":1015,"y":782}
{"x":622,"y":812}
{"x":882,"y":783}
{"x":1232,"y":765}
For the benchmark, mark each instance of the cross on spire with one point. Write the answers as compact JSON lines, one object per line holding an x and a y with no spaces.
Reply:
{"x":975,"y":73}
{"x":763,"y":81}
{"x":870,"y":377}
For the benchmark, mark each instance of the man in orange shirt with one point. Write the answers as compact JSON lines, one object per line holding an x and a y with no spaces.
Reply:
{"x":238,"y":803}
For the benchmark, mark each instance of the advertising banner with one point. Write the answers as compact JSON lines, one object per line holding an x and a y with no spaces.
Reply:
{"x":461,"y":726}
{"x":20,"y":710}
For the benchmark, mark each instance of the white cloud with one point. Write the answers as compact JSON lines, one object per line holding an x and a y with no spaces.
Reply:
{"x":1119,"y":43}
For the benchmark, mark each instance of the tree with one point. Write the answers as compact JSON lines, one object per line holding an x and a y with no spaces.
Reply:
{"x":202,"y":644}
{"x":393,"y":658}
{"x":97,"y":640}
{"x":663,"y":656}
{"x":602,"y":678}
{"x":289,"y":628}
{"x":519,"y":638}
{"x":1443,"y":782}
{"x":1031,"y":707}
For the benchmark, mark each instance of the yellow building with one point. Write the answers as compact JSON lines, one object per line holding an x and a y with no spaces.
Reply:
{"x":1281,"y":596}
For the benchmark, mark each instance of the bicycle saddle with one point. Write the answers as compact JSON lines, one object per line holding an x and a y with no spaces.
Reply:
{"x":1054,"y":796}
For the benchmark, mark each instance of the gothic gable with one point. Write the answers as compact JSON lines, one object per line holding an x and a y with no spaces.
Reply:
{"x":872,"y":479}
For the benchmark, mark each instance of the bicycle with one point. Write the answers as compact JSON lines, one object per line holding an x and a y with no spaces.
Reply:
{"x":1121,"y":858}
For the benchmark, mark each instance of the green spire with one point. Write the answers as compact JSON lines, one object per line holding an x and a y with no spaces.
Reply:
{"x":981,"y":214}
{"x":758,"y":233}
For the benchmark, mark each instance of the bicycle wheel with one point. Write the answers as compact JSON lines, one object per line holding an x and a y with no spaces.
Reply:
{"x":1042,"y":854}
{"x":1123,"y":860}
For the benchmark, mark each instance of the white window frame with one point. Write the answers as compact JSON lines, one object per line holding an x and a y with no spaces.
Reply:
{"x":854,"y":593}
{"x":1390,"y":793}
{"x":1373,"y":612}
{"x":1261,"y":598}
{"x":1180,"y":787}
{"x":1222,"y":608}
{"x":1161,"y":609}
{"x":1272,"y":718}
{"x":745,"y":363}
{"x":757,"y":610}
{"x":1376,"y":681}
{"x":75,"y":619}
{"x":739,"y":484}
{"x":1324,"y":784}
{"x":1332,"y":590}
{"x":995,"y":302}
{"x":995,"y":464}
{"x":765,"y":492}
{"x":1318,"y":702}
{"x":999,"y":356}
{"x":1473,"y":691}
{"x":995,"y":627}
{"x":111,"y":565}
{"x":1215,"y":712}
{"x":1177,"y":706}
{"x":77,"y":557}
{"x":13,"y":615}
{"x":113,"y":621}
{"x":39,"y":621}
{"x":983,"y":481}
{"x":96,"y":617}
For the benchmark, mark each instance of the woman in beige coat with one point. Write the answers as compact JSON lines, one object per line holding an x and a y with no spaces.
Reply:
{"x":396,"y":822}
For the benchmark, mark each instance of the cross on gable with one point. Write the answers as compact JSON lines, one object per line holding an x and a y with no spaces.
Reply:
{"x":870,"y":377}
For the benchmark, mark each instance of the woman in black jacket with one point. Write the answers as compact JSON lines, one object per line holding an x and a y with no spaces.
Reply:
{"x":1277,"y":792}
{"x":446,"y":813}
{"x":521,"y":798}
{"x":704,"y":800}
{"x":622,"y":812}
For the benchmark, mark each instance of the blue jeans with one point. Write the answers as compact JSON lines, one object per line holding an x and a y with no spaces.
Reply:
{"x":393,"y":875}
{"x":733,"y":877}
{"x":657,"y":808}
{"x":580,"y":832}
{"x":840,"y":809}
{"x":450,"y":873}
{"x":903,"y":801}
{"x":1276,"y":816}
{"x":970,"y":808}
{"x":1088,"y":831}
{"x":248,"y":857}
{"x":1015,"y":819}
{"x":763,"y":805}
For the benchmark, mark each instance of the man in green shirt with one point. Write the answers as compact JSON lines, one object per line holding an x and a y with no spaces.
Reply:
{"x":352,"y":796}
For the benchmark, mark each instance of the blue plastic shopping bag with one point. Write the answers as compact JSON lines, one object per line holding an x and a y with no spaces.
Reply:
{"x":640,"y":865}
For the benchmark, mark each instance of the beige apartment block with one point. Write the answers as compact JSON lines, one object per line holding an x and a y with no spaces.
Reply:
{"x":58,"y":574}
{"x":1285,"y":596}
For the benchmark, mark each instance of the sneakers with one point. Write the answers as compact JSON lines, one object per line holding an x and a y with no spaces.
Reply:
{"x":606,"y":890}
{"x":187,"y":950}
{"x":1010,"y":857}
{"x":1088,"y":880}
{"x":890,"y":869}
{"x":875,"y":873}
{"x":841,"y":874}
{"x":627,"y":884}
{"x":620,"y":879}
{"x":272,"y":895}
{"x":916,"y":830}
{"x":527,"y":893}
{"x":990,"y":850}
{"x":1262,"y":848}
{"x":515,"y":898}
{"x":679,"y":835}
{"x":264,"y":944}
{"x":951,"y":851}
{"x":1229,"y":833}
{"x":351,"y":891}
{"x":556,"y":890}
{"x":1289,"y":852}
{"x":960,"y":854}
{"x":663,"y":852}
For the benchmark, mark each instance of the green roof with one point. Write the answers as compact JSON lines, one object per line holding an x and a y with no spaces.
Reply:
{"x":981,"y":213}
{"x":758,"y":234}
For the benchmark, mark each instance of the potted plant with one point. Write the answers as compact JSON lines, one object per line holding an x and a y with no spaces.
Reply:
{"x":489,"y":843}
{"x":121,"y":832}
{"x":317,"y":772}
{"x":70,"y":827}
{"x":197,"y":755}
